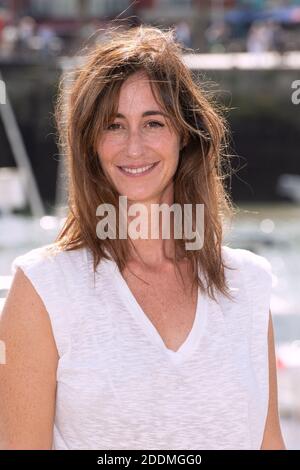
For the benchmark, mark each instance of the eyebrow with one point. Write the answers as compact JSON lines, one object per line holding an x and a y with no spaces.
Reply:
{"x":146,"y":113}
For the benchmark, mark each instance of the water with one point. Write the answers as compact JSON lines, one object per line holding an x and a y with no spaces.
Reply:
{"x":19,"y":234}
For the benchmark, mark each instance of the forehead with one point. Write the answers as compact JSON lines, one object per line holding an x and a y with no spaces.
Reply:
{"x":136,"y":91}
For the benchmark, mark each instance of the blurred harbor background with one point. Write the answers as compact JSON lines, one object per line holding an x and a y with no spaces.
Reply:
{"x":247,"y":52}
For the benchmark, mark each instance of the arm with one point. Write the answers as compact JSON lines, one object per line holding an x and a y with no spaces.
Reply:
{"x":272,"y":439}
{"x":28,"y":378}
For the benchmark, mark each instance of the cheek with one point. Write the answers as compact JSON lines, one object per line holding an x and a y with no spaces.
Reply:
{"x":166,"y":145}
{"x":105,"y":153}
{"x":173,"y":152}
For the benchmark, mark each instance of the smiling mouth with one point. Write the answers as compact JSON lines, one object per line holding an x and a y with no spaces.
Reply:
{"x":143,"y":170}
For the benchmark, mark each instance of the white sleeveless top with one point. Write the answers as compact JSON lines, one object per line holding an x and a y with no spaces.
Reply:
{"x":120,"y":387}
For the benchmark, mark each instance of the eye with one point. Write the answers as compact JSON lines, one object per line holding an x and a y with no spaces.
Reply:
{"x":153,"y":124}
{"x":113,"y":126}
{"x":156,"y":124}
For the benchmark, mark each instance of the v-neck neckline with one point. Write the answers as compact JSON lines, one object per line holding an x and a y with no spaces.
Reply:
{"x":194,"y":335}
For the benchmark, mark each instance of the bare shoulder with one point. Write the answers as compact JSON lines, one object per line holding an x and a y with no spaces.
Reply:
{"x":272,"y":439}
{"x":28,"y":374}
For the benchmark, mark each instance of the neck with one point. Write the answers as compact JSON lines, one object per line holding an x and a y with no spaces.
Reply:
{"x":156,"y":249}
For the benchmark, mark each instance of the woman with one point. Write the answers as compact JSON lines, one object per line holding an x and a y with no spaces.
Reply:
{"x":120,"y":342}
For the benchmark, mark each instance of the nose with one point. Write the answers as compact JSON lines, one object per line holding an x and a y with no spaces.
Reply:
{"x":134,"y":144}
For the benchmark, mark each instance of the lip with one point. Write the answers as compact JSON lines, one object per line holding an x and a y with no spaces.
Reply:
{"x":136,"y":175}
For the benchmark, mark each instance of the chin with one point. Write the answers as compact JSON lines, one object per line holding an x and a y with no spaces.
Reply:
{"x":138,"y":197}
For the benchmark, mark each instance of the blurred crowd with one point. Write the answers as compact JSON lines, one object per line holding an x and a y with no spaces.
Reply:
{"x":26,"y":37}
{"x":259,"y":36}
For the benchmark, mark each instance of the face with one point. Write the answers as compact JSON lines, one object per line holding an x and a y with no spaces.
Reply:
{"x":139,"y":152}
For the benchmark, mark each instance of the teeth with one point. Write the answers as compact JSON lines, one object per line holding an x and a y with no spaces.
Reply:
{"x":137,"y":170}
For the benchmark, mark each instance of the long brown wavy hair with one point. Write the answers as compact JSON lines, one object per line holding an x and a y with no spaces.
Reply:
{"x":90,"y":104}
